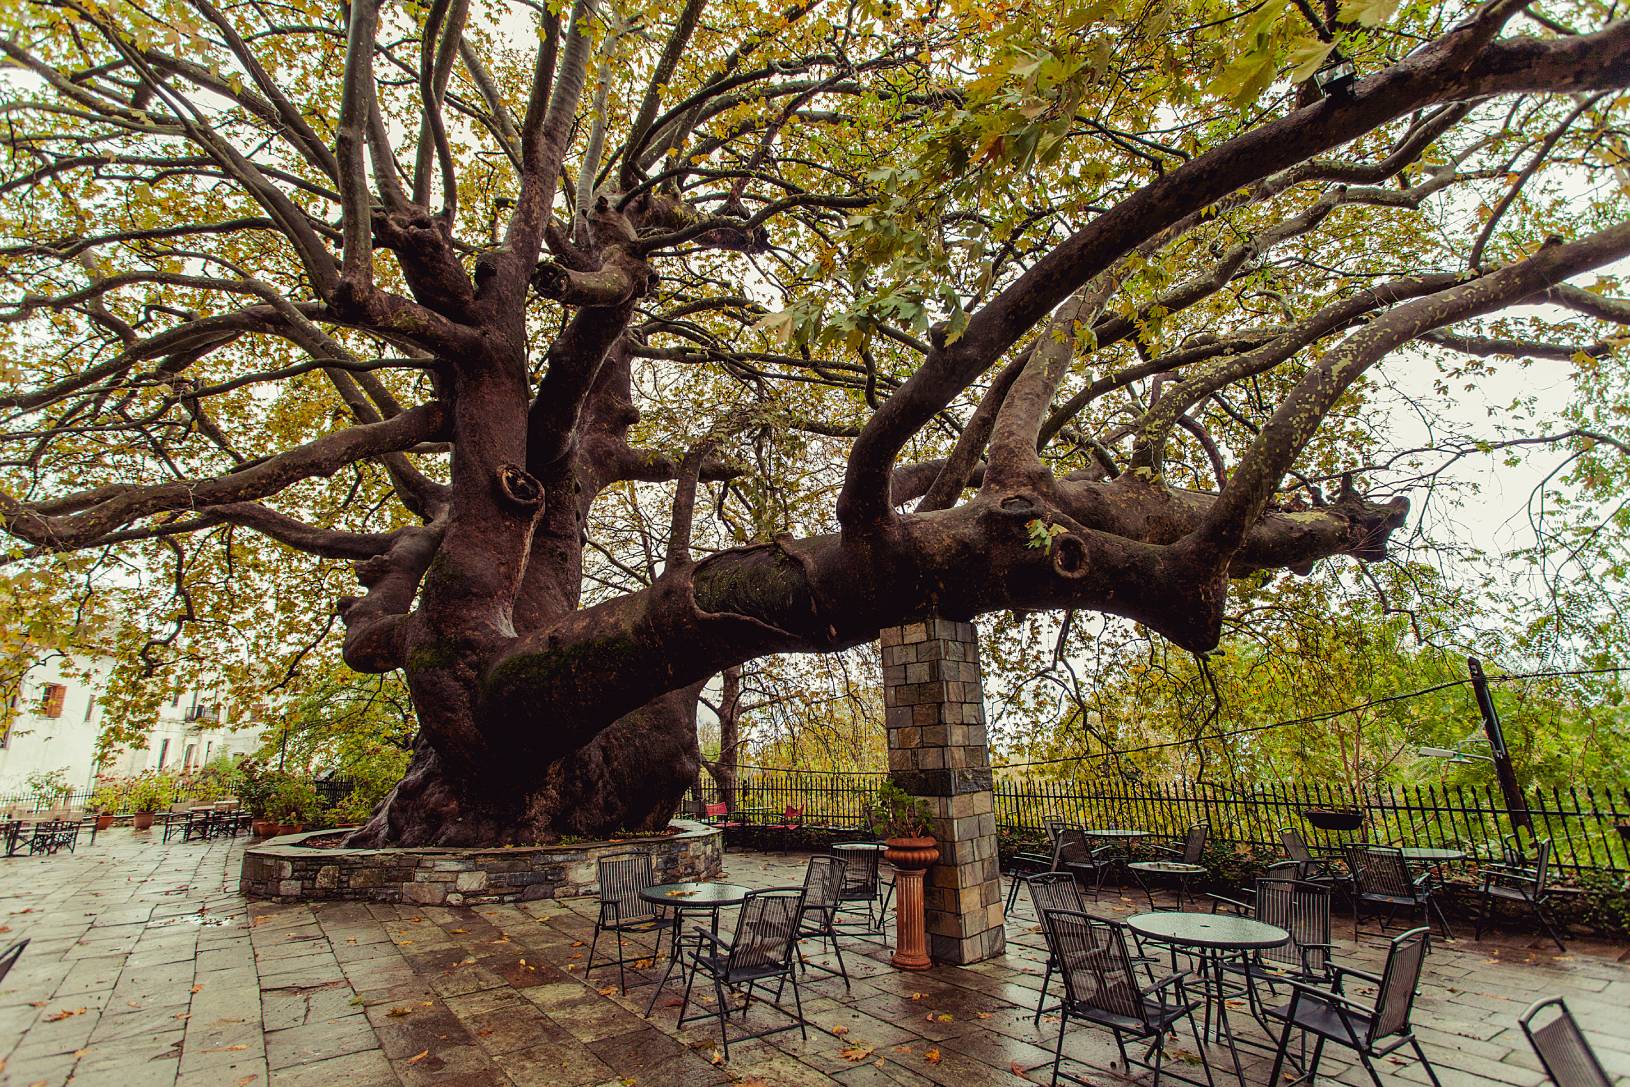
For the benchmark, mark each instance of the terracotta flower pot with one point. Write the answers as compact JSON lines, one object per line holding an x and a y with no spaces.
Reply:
{"x":911,"y":857}
{"x":142,"y":820}
{"x":289,"y":828}
{"x":103,"y":822}
{"x":263,"y":828}
{"x":911,"y":854}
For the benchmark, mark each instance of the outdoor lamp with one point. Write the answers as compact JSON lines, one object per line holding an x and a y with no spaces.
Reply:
{"x":1337,"y":75}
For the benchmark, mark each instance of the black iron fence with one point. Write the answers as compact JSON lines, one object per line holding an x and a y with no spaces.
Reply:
{"x":119,"y":798}
{"x":1583,"y":823}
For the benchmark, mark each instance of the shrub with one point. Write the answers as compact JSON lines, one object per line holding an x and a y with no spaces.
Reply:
{"x":49,"y":786}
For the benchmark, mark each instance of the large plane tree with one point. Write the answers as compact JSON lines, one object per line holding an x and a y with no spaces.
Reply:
{"x":1046,"y":306}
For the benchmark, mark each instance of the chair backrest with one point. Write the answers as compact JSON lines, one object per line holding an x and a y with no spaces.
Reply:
{"x":1561,"y":1047}
{"x":1054,"y":827}
{"x":1401,"y":976}
{"x":1054,"y":891}
{"x":766,"y":930}
{"x":860,"y":873}
{"x":1093,"y":961}
{"x":1296,"y":847}
{"x":1303,"y":910}
{"x":716,"y":811}
{"x":1194,"y":846}
{"x":1380,"y":869}
{"x":823,"y":883}
{"x":1070,"y":845}
{"x":622,"y":877}
{"x":9,"y":957}
{"x":792,"y":814}
{"x":1541,"y":865}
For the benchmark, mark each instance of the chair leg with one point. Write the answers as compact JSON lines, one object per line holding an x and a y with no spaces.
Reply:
{"x":592,"y":944}
{"x":798,"y":1003}
{"x":1012,"y":894}
{"x":690,"y":979}
{"x":1483,"y":916}
{"x":1550,"y":927}
{"x":837,"y":953}
{"x":1058,"y":1050}
{"x":724,"y":1016}
{"x":622,"y":977}
{"x":1200,"y":1051}
{"x":1160,"y":1056}
{"x":1364,"y":1059}
{"x":1432,"y":904}
{"x":1284,"y":1045}
{"x":1431,"y":1073}
{"x":1046,"y":980}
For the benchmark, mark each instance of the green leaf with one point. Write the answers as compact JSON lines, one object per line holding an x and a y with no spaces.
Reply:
{"x":1368,"y":12}
{"x":1307,"y":58}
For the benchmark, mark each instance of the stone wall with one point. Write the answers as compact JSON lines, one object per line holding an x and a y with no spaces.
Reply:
{"x":935,"y":712}
{"x":284,"y":868}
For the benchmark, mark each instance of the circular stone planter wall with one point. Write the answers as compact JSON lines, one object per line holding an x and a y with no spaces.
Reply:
{"x":284,"y":868}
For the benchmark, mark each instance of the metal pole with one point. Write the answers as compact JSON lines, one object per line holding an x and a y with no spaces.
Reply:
{"x":1504,"y":772}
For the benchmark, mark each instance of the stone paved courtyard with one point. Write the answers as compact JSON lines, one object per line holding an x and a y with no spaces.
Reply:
{"x":147,"y":968}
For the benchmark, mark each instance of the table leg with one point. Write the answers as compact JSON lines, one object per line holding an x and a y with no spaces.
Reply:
{"x":673,"y":956}
{"x":1214,"y":963}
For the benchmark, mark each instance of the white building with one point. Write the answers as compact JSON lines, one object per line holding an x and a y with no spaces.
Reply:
{"x":58,"y":719}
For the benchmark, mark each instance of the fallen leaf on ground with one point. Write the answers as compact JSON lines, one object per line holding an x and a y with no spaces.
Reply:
{"x":609,"y":990}
{"x":840,"y":1030}
{"x":198,"y":988}
{"x":715,"y":1057}
{"x":65,"y":1013}
{"x":941,"y":1017}
{"x":247,"y":1080}
{"x":240,"y":1047}
{"x":419,"y":1056}
{"x":644,"y":964}
{"x":932,"y":1056}
{"x":984,"y":1015}
{"x":397,"y":1013}
{"x":856,"y":1052}
{"x":917,"y":996}
{"x":458,"y":931}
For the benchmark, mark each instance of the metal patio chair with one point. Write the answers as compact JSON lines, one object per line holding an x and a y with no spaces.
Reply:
{"x":1185,"y":863}
{"x":1302,"y":909}
{"x":1526,"y":885}
{"x":1309,"y":868}
{"x":792,"y":821}
{"x":861,"y":886}
{"x":1562,"y":1048}
{"x":622,"y":877}
{"x":823,"y":891}
{"x":1101,"y":987}
{"x":1026,"y":863}
{"x":1382,"y":879}
{"x":1372,"y":1032}
{"x":1055,"y":892}
{"x":761,"y":950}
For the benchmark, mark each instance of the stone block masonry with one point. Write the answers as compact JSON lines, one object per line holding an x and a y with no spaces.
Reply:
{"x":283,"y":868}
{"x":938,"y":750}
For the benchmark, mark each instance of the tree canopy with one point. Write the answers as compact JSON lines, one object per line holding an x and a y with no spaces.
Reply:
{"x":616,"y":345}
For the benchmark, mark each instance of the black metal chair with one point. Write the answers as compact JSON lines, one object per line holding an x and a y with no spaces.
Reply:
{"x":823,"y":891}
{"x":1381,"y":878}
{"x":1073,"y":852}
{"x":622,"y":877}
{"x":1185,"y":863}
{"x":1300,"y":908}
{"x":1022,"y":864}
{"x":1561,"y":1047}
{"x":861,"y":886}
{"x":1101,"y":987}
{"x":52,"y":836}
{"x":1525,"y":885}
{"x":1055,"y":892}
{"x":1309,"y":868}
{"x":9,"y":957}
{"x":1372,"y":1032}
{"x":761,"y":949}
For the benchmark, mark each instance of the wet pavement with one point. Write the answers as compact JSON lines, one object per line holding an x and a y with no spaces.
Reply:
{"x":147,"y":968}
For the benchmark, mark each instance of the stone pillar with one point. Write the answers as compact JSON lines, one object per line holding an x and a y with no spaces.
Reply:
{"x":934,"y":709}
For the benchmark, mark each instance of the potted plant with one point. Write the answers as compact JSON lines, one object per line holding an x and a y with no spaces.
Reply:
{"x":294,"y":804}
{"x":904,"y":821}
{"x":105,"y":801}
{"x":148,"y":794}
{"x":256,"y":787}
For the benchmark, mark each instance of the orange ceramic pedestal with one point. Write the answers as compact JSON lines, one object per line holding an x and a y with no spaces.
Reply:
{"x":911,"y":857}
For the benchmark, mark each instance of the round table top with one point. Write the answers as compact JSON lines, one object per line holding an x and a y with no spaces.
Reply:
{"x":1429,"y":853}
{"x":1175,"y":868}
{"x":696,"y":895}
{"x":859,"y":847}
{"x":1117,"y":833}
{"x":1207,"y":930}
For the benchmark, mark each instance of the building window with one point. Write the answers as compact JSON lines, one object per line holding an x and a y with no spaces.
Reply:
{"x":163,"y":753}
{"x":90,"y":705}
{"x":186,"y":760}
{"x":51,"y":699}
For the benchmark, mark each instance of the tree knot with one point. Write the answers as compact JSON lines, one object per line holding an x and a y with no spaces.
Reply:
{"x":519,"y":489}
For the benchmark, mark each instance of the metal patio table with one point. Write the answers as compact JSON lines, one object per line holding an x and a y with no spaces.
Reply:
{"x":684,"y":898}
{"x":1210,"y":938}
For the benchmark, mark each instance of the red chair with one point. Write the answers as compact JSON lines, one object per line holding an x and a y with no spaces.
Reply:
{"x":718,"y":815}
{"x":792,"y":819}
